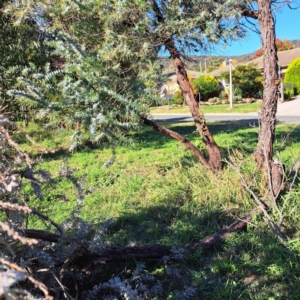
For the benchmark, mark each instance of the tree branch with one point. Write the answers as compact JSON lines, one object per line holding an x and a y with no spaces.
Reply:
{"x":178,"y":137}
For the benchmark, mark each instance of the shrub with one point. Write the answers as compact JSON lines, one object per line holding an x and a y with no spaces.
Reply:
{"x":223,"y":95}
{"x":237,"y":98}
{"x":248,"y":79}
{"x":207,"y":85}
{"x":293,"y":74}
{"x":213,"y":100}
{"x":288,"y":90}
{"x":238,"y":92}
{"x":177,"y":98}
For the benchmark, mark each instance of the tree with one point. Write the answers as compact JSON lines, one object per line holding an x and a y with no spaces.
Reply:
{"x":293,"y":74}
{"x":246,"y":78}
{"x":264,"y":151}
{"x":131,"y":39}
{"x":119,"y":43}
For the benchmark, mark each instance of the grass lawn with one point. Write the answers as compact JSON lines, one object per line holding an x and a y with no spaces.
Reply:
{"x":156,"y":193}
{"x":237,"y":108}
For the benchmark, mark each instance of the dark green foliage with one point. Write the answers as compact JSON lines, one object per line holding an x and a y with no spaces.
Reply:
{"x":293,"y":74}
{"x":248,"y":79}
{"x":19,"y":45}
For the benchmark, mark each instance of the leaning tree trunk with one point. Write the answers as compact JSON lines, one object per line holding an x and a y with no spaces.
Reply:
{"x":188,"y":95}
{"x":267,"y":115}
{"x":189,"y":98}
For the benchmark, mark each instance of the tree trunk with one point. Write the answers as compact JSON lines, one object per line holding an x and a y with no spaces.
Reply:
{"x":188,"y":95}
{"x":267,"y":115}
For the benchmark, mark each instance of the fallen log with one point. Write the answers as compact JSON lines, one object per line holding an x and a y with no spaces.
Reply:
{"x":84,"y":259}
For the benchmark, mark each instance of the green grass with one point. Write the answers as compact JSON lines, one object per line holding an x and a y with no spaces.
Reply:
{"x":221,"y":109}
{"x":156,"y":193}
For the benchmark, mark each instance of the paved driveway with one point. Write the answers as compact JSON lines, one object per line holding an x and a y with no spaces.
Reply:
{"x":289,"y":108}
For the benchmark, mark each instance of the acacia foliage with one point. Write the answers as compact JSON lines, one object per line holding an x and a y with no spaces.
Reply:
{"x":104,"y":79}
{"x":293,"y":74}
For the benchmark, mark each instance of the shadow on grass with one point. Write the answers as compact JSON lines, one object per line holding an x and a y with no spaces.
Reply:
{"x":249,"y":265}
{"x":242,"y":134}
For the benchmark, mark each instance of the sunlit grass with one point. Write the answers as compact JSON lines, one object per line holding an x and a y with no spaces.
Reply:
{"x":157,"y":193}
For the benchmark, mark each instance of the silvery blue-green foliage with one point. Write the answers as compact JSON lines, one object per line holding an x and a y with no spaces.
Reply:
{"x":139,"y":286}
{"x":102,"y":85}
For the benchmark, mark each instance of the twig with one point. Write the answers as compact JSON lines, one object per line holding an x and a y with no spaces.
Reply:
{"x":260,"y":204}
{"x":37,"y":283}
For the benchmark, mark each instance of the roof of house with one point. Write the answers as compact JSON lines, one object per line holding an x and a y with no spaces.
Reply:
{"x":172,"y":77}
{"x":284,"y":59}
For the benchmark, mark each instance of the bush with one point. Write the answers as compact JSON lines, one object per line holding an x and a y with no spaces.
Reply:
{"x":213,"y":100}
{"x":177,"y":98}
{"x":246,"y":79}
{"x":238,"y":92}
{"x":293,"y":74}
{"x":288,"y":90}
{"x":237,"y":98}
{"x":207,"y":85}
{"x":223,"y":95}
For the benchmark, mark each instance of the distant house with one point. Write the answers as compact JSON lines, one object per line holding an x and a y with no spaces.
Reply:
{"x":170,"y":87}
{"x":284,"y":59}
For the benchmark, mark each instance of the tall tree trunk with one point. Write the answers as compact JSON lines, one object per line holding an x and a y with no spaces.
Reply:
{"x":267,"y":115}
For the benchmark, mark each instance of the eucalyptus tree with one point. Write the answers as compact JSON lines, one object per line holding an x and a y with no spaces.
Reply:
{"x":264,"y":11}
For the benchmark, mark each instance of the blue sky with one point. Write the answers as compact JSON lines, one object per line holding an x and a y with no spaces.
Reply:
{"x":287,"y":27}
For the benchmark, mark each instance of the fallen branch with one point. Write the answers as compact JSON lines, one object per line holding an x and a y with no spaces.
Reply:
{"x":84,"y":259}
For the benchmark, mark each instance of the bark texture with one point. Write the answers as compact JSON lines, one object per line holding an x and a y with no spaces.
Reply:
{"x":264,"y":151}
{"x":189,"y":98}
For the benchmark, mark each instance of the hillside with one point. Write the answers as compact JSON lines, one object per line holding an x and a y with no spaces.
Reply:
{"x":194,"y":62}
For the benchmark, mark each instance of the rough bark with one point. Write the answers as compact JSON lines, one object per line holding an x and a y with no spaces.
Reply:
{"x":189,"y":98}
{"x":178,"y":137}
{"x":264,"y":151}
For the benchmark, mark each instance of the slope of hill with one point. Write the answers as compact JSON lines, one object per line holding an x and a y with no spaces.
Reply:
{"x":197,"y":62}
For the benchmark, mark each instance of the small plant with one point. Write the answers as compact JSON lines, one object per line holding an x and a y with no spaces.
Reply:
{"x":223,"y":95}
{"x":288,"y":90}
{"x":237,"y":98}
{"x":213,"y":100}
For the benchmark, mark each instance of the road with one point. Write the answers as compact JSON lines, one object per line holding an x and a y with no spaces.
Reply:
{"x":288,"y":112}
{"x":224,"y":117}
